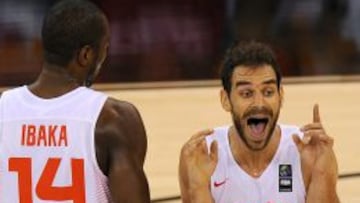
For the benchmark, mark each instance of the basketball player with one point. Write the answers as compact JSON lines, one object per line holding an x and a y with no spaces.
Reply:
{"x":61,"y":141}
{"x":257,"y":160}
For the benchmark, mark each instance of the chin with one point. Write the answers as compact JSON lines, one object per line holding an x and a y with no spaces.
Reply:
{"x":256,"y":145}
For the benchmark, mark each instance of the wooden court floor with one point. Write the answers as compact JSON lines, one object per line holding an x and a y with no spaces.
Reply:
{"x":172,"y":115}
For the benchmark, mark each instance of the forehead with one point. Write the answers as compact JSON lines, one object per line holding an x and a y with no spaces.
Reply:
{"x":253,"y":74}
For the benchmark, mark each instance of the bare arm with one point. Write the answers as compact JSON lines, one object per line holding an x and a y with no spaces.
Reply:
{"x":121,"y":148}
{"x":127,"y":180}
{"x":318,"y":160}
{"x":322,"y":189}
{"x":198,"y":195}
{"x":322,"y":186}
{"x":195,"y":169}
{"x":189,"y":193}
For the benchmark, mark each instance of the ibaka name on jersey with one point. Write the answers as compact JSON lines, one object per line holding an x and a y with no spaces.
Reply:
{"x":44,"y":135}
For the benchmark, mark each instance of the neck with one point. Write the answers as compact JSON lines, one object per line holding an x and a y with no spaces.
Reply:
{"x":53,"y":81}
{"x":252,"y":161}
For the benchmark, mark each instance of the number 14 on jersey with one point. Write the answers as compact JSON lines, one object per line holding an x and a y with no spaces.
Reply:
{"x":44,"y":188}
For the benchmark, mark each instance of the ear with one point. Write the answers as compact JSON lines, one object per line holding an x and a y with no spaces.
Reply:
{"x":281,"y":92}
{"x":85,"y":55}
{"x":225,"y":100}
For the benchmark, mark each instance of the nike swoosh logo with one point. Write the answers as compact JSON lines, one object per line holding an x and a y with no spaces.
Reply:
{"x":218,"y":184}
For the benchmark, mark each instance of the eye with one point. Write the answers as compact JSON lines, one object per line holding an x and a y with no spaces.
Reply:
{"x":268,"y":92}
{"x":246,"y":93}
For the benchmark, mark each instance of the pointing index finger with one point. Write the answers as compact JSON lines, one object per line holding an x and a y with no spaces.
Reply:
{"x":316,"y":114}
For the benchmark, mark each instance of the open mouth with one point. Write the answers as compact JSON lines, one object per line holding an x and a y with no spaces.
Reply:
{"x":257,"y":125}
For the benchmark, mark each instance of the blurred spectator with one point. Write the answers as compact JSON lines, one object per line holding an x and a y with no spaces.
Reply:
{"x":310,"y":33}
{"x":183,"y":39}
{"x":20,"y":23}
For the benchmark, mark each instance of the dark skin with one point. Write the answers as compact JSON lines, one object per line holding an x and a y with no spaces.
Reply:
{"x":120,"y":136}
{"x":120,"y":148}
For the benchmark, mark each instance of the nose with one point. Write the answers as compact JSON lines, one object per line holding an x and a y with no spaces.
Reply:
{"x":259,"y":99}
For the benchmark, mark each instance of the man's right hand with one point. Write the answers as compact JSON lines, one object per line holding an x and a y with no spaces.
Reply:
{"x":197,"y":164}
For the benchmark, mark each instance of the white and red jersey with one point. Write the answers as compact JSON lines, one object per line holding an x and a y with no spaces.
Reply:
{"x":47,"y":148}
{"x":281,"y":182}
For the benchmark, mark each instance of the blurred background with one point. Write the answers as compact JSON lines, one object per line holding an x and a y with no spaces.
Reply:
{"x":184,"y":40}
{"x":162,"y":40}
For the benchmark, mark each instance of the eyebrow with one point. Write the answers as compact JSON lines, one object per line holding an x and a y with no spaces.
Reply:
{"x":270,"y":81}
{"x":244,"y":82}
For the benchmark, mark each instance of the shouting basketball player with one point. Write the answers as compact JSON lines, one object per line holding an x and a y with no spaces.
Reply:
{"x":257,"y":160}
{"x":61,"y":141}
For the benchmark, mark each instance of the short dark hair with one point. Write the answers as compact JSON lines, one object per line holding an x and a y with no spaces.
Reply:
{"x":68,"y":26}
{"x":248,"y":53}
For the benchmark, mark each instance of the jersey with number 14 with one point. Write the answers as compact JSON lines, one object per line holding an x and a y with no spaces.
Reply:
{"x":47,"y":149}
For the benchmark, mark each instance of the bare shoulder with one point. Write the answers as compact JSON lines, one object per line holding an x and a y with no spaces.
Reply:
{"x":116,"y":109}
{"x":120,"y":127}
{"x":121,"y":146}
{"x":125,"y":120}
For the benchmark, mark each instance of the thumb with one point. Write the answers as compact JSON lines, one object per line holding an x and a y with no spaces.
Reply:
{"x":298,"y":141}
{"x":214,"y":151}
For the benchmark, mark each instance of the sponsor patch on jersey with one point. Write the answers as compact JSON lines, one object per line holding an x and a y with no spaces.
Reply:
{"x":285,"y":178}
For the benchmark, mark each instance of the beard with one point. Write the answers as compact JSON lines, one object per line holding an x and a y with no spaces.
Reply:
{"x":241,"y":123}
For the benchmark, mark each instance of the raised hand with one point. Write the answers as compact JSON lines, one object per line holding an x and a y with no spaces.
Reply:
{"x":196,"y":163}
{"x":325,"y":159}
{"x":319,"y":165}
